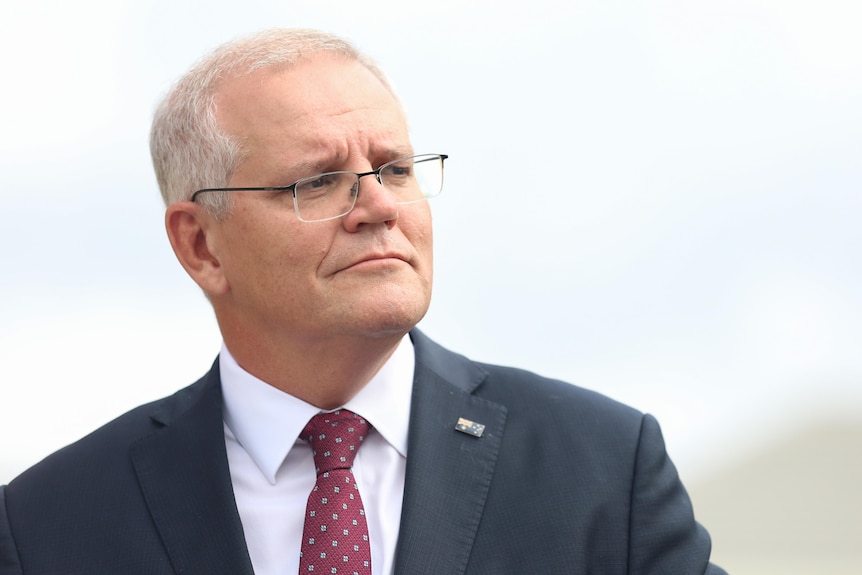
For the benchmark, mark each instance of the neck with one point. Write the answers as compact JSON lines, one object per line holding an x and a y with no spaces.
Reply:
{"x":325,"y":372}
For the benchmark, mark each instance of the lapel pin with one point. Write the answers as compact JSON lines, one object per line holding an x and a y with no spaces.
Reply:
{"x":470,"y":427}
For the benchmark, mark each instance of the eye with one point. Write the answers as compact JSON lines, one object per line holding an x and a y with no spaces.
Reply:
{"x":321,"y":182}
{"x":321,"y":185}
{"x":399,"y":170}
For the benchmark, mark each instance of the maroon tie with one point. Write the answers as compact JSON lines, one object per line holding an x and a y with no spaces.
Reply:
{"x":335,"y":535}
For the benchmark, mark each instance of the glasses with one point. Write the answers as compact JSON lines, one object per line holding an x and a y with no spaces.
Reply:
{"x":332,"y":195}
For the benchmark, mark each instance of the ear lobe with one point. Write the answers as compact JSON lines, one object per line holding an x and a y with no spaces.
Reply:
{"x":191,"y":235}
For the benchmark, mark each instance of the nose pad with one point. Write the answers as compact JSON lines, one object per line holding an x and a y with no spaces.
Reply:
{"x":376,"y":205}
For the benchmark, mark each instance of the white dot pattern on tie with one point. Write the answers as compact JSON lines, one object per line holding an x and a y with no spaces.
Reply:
{"x":335,"y":534}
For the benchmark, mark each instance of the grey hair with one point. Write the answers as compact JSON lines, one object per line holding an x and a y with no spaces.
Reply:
{"x":189,"y":149}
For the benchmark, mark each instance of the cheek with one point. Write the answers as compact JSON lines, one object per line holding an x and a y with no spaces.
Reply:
{"x":297,"y":251}
{"x":270,"y":252}
{"x":418,"y":230}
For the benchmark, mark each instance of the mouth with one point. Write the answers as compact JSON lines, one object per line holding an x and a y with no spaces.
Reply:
{"x":377,"y":261}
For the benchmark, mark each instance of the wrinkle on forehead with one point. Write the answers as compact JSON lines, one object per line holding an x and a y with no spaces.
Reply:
{"x":321,"y":115}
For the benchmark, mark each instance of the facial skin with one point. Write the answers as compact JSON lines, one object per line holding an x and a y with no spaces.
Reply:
{"x":314,"y":308}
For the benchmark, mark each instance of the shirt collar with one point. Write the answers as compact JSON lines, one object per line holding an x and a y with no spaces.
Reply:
{"x":267,"y":421}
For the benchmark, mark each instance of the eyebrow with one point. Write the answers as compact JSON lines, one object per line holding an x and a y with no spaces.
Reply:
{"x":305,"y":169}
{"x":312,"y":168}
{"x":398,"y":152}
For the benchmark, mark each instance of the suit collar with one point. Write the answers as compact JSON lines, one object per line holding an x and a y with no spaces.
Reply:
{"x":185,"y":479}
{"x":183,"y":472}
{"x":455,"y":369}
{"x":448,"y":472}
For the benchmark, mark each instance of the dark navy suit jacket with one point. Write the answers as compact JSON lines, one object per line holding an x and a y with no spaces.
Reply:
{"x":562,"y":481}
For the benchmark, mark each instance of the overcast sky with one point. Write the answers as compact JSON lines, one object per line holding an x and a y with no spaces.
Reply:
{"x":657,"y":200}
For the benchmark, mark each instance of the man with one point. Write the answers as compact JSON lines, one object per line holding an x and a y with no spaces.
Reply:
{"x":296,"y":202}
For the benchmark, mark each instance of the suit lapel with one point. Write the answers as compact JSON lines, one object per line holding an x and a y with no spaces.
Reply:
{"x":184,"y":476}
{"x":448,"y":472}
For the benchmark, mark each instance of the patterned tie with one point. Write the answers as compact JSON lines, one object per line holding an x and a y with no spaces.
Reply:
{"x":335,"y":535}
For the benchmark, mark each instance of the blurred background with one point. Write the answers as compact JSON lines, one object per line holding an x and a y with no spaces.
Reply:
{"x":656,"y":200}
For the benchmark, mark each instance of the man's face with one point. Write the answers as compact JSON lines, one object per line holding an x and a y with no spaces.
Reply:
{"x":367,"y":273}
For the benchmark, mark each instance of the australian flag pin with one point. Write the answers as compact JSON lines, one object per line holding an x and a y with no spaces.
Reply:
{"x":470,"y":427}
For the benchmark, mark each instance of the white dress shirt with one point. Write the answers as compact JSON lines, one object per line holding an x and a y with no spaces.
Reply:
{"x":272,"y":471}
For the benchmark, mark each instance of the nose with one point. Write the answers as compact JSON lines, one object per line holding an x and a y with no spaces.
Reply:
{"x":374,"y":205}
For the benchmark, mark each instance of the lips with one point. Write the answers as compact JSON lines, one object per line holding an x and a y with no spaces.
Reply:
{"x":371,"y":252}
{"x":374,"y":258}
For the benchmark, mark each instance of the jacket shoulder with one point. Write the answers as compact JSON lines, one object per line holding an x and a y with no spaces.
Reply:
{"x":529,"y":398}
{"x":106,"y":449}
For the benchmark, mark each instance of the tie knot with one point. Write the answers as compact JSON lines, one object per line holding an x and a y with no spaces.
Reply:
{"x":335,"y":438}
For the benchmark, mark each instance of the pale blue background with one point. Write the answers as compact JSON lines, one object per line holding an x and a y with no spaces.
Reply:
{"x":658,"y":200}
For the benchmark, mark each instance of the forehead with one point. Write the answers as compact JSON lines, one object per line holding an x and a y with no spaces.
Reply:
{"x":323,"y":103}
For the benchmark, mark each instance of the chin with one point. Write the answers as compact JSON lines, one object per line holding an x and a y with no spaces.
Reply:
{"x":389,"y":316}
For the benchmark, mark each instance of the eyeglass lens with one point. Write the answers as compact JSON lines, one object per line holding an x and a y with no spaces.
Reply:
{"x":333,"y":194}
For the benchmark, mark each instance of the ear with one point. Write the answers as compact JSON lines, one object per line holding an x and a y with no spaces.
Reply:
{"x":192,"y":233}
